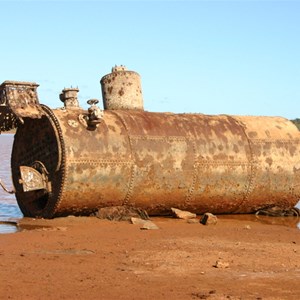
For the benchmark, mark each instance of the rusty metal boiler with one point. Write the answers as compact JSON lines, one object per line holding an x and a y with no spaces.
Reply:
{"x":74,"y":161}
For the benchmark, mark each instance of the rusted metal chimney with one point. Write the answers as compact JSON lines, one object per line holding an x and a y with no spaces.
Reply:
{"x":69,"y":98}
{"x":121,"y":89}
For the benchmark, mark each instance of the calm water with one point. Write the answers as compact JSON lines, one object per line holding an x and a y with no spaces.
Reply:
{"x":9,"y":210}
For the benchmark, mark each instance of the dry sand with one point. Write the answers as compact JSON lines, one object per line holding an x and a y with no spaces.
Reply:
{"x":89,"y":258}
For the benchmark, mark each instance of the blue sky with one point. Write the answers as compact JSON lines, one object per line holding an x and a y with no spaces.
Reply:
{"x":212,"y":57}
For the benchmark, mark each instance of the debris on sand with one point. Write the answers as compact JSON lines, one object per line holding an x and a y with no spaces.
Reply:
{"x":192,"y":221}
{"x":209,"y":219}
{"x":145,"y":224}
{"x":182,"y":214}
{"x":276,"y":211}
{"x":221,"y":264}
{"x":121,"y":213}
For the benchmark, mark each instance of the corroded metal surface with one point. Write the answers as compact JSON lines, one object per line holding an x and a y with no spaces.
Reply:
{"x":31,"y":179}
{"x":69,"y":97}
{"x":74,"y":161}
{"x":39,"y":140}
{"x":18,"y":100}
{"x":121,"y":89}
{"x":156,"y":161}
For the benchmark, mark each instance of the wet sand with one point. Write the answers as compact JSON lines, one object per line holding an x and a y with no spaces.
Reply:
{"x":89,"y":258}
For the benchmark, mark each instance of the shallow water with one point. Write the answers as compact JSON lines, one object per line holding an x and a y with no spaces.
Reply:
{"x":9,"y":209}
{"x":10,"y":212}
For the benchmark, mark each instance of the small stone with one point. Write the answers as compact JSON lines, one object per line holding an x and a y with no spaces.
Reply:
{"x":149,"y":226}
{"x":182,"y":214}
{"x":192,"y":221}
{"x":247,"y":227}
{"x":62,"y":228}
{"x":137,"y":221}
{"x":221,"y":264}
{"x":209,"y":219}
{"x":145,"y":224}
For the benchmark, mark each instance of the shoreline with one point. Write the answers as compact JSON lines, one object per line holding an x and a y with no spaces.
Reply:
{"x":89,"y":258}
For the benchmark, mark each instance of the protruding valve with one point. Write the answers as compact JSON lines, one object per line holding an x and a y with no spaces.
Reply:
{"x":95,"y":114}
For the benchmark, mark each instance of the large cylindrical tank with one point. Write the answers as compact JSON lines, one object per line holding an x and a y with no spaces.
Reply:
{"x":155,"y":161}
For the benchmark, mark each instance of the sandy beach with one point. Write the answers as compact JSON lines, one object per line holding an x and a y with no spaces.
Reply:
{"x":89,"y":258}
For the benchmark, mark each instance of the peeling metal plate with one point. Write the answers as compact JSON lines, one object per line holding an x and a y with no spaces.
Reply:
{"x":31,"y":179}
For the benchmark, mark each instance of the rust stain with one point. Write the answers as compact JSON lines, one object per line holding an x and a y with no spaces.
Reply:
{"x":18,"y":100}
{"x":127,"y":156}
